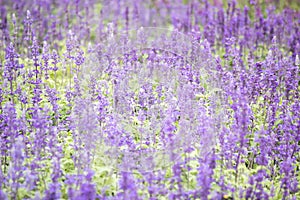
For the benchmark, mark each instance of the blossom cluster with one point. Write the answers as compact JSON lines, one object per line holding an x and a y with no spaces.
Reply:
{"x":149,"y":99}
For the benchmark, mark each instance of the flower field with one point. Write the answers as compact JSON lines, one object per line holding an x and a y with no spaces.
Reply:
{"x":149,"y":99}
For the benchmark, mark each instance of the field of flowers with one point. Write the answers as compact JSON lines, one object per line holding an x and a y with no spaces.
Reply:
{"x":149,"y":99}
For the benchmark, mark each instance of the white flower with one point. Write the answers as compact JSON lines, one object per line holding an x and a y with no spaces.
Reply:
{"x":297,"y":60}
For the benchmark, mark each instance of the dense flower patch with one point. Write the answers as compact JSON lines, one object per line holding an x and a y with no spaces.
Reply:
{"x":149,"y":100}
